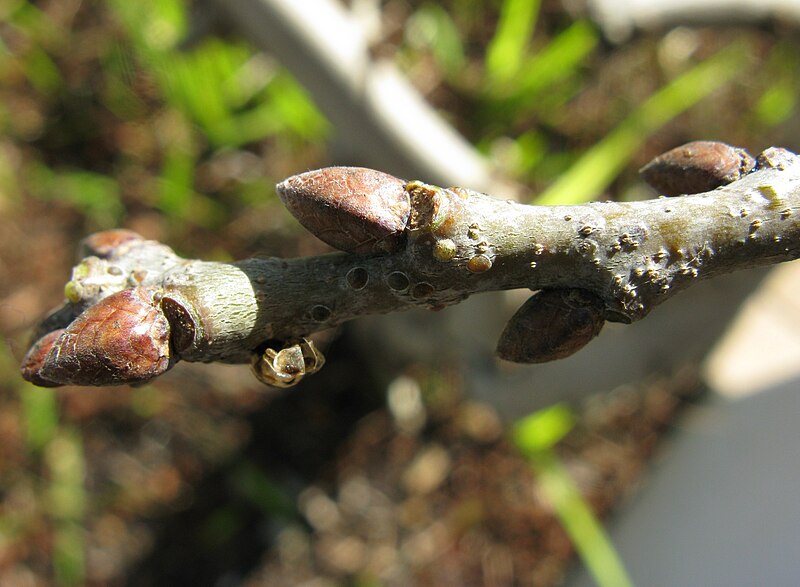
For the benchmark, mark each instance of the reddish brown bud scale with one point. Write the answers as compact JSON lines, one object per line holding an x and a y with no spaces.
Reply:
{"x":552,"y":324}
{"x":358,"y":210}
{"x":697,"y":167}
{"x":34,"y":359}
{"x":122,"y":339}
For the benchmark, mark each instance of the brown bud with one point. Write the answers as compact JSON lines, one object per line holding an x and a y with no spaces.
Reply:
{"x":552,"y":324}
{"x":359,"y":210}
{"x":697,"y":167}
{"x":106,"y":243}
{"x":124,"y":338}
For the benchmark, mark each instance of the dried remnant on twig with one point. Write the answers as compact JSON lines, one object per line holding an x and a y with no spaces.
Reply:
{"x":134,"y":308}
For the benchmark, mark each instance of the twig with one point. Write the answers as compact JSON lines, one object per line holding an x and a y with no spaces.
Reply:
{"x":135,"y":308}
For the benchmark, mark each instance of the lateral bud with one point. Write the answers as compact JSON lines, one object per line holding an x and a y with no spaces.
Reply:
{"x":552,"y":324}
{"x":697,"y":167}
{"x":353,"y":209}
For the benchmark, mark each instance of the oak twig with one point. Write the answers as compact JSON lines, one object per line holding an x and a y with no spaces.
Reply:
{"x":134,"y":308}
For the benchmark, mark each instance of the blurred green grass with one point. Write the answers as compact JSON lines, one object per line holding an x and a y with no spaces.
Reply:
{"x":594,"y":171}
{"x":216,"y":96}
{"x":536,"y":436}
{"x":524,"y":92}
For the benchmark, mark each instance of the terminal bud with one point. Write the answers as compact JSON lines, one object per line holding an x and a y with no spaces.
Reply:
{"x":122,"y":339}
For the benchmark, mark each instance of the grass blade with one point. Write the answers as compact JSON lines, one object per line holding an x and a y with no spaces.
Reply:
{"x":535,"y":436}
{"x":586,"y":532}
{"x":597,"y":168}
{"x":506,"y":51}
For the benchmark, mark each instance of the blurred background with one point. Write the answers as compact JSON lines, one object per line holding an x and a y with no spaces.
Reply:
{"x":414,"y":457}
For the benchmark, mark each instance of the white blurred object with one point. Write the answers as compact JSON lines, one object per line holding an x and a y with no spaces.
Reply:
{"x":380,"y":119}
{"x":620,"y":18}
{"x":720,"y":507}
{"x":761,"y":348}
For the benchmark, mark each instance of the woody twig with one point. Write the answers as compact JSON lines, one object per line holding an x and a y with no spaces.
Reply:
{"x":134,"y":308}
